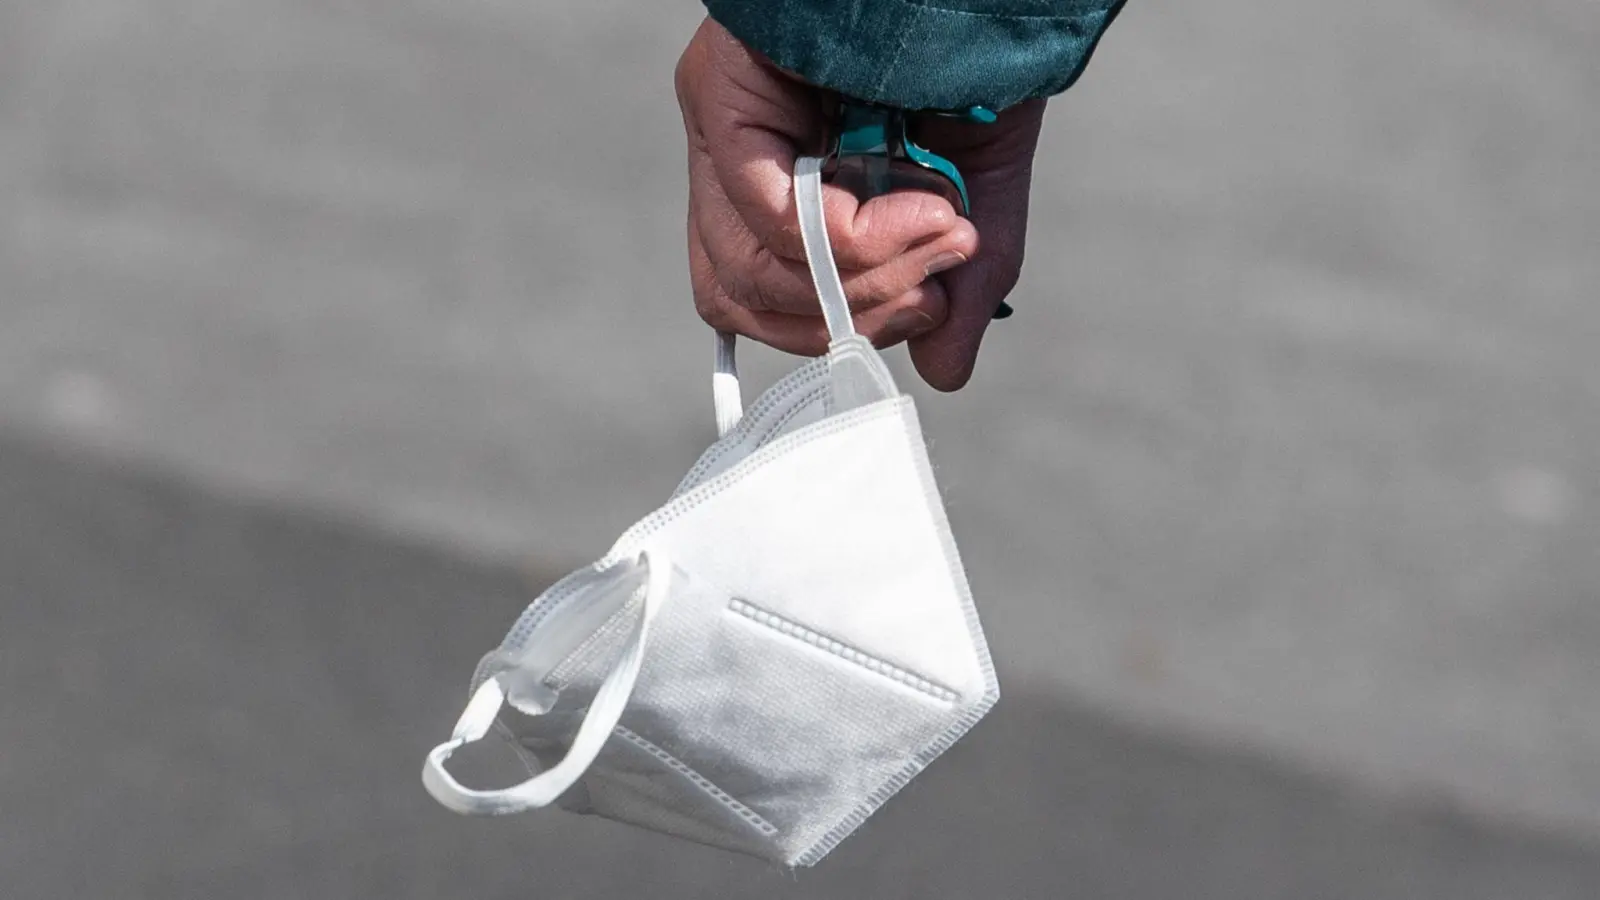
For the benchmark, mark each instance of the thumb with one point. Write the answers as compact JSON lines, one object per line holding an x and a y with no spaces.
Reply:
{"x":998,"y":162}
{"x":946,"y":356}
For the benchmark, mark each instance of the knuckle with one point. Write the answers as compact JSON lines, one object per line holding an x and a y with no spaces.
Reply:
{"x":749,"y":293}
{"x":709,"y":313}
{"x":683,"y":79}
{"x":784,"y":240}
{"x":766,"y":286}
{"x":869,"y":289}
{"x":931,"y":212}
{"x":912,"y":212}
{"x":850,"y":240}
{"x":713,"y":306}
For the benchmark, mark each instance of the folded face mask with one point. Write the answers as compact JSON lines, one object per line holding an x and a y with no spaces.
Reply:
{"x":765,"y":660}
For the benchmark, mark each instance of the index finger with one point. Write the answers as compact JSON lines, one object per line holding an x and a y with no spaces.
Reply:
{"x":753,"y":118}
{"x":755,"y":167}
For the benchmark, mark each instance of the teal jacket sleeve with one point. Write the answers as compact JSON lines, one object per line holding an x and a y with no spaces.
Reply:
{"x":926,"y":54}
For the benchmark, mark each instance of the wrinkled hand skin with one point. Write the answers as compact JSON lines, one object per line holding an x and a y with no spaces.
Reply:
{"x":913,"y":268}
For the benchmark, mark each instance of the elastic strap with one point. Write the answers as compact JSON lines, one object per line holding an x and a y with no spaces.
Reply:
{"x":725,"y":394}
{"x":819,"y":253}
{"x":605,"y":710}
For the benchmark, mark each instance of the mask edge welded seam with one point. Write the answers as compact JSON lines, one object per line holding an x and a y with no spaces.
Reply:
{"x":779,"y":392}
{"x":561,"y":672}
{"x":721,"y":797}
{"x":755,"y":441}
{"x":980,"y":645}
{"x":534,"y":613}
{"x":531,"y":617}
{"x":641,"y":530}
{"x":748,"y":425}
{"x":654,"y":522}
{"x":801,"y":406}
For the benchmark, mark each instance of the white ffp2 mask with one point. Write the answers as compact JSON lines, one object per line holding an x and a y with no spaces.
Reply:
{"x":763,"y":661}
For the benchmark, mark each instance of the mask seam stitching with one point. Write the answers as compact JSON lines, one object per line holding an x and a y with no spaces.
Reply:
{"x":701,"y":467}
{"x":839,"y":649}
{"x":665,"y":515}
{"x":584,"y":653}
{"x":805,"y":401}
{"x":722,"y":797}
{"x":778,"y":394}
{"x":775,"y":395}
{"x":635,"y":536}
{"x":533,"y":616}
{"x":980,"y":644}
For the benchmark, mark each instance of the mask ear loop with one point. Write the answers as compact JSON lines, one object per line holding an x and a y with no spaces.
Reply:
{"x":819,"y":252}
{"x":725,"y":394}
{"x":726,"y":397}
{"x":605,"y":710}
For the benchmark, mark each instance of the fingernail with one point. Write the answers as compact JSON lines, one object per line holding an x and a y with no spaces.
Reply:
{"x":944,"y":262}
{"x":908,"y":323}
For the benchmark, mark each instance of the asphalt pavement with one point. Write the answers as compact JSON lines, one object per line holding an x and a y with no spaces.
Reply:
{"x":215,"y":699}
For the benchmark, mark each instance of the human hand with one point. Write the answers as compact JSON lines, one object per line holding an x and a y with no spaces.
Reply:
{"x":913,"y":268}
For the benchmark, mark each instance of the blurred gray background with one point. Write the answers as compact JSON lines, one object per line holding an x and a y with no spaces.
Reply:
{"x":332,"y":331}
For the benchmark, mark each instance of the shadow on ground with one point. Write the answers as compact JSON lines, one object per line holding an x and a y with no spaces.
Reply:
{"x":209,"y":700}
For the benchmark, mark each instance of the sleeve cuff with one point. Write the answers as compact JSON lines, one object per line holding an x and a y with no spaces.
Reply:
{"x":907,"y":54}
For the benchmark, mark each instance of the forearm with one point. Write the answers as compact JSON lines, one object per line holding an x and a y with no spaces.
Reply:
{"x":906,"y":53}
